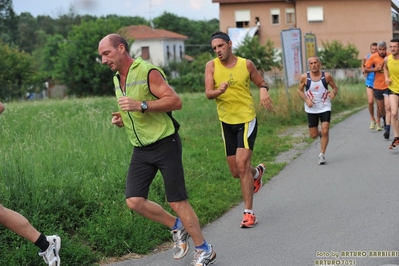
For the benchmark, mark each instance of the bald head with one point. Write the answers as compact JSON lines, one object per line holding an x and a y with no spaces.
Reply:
{"x":115,"y":40}
{"x":314,"y":58}
{"x":114,"y":52}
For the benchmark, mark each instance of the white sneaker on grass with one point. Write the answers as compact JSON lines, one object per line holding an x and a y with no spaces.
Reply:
{"x":51,"y":256}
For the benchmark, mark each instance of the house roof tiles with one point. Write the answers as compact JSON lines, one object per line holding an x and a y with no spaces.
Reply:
{"x":143,"y":32}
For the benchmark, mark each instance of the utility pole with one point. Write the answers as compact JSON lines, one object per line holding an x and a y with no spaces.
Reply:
{"x":150,"y":13}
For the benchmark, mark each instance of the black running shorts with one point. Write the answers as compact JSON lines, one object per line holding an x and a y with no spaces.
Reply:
{"x":239,"y":136}
{"x":164,"y":155}
{"x":379,"y":94}
{"x":313,"y":119}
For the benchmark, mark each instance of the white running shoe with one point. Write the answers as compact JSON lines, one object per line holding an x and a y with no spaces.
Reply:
{"x":180,"y":238}
{"x":322,"y":159}
{"x":201,"y":258}
{"x":372,"y":125}
{"x":51,"y":256}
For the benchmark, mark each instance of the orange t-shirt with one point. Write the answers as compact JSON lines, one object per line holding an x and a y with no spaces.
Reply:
{"x":379,"y":78}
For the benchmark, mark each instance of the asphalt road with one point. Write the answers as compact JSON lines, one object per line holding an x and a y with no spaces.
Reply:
{"x":342,"y":213}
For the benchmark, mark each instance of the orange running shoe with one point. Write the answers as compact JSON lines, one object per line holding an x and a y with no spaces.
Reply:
{"x":395,"y":143}
{"x":249,"y":220}
{"x":258,"y":182}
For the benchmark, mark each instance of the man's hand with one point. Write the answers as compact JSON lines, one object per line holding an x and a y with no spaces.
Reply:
{"x":309,"y":103}
{"x":117,"y":119}
{"x":265,"y":99}
{"x":128,"y":104}
{"x":223,"y":87}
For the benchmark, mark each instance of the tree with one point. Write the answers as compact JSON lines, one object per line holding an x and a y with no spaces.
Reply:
{"x":8,"y":22}
{"x":15,"y":71}
{"x":46,"y":24}
{"x":198,"y":32}
{"x":264,"y":57}
{"x":27,"y":28}
{"x":50,"y":54}
{"x":76,"y":63}
{"x":336,"y":55}
{"x":191,"y":75}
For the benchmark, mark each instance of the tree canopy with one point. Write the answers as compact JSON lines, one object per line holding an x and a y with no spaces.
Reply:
{"x":336,"y":55}
{"x":36,"y":49}
{"x":65,"y":48}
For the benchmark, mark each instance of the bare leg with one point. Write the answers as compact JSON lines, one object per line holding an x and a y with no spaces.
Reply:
{"x":155,"y":212}
{"x":240,"y":167}
{"x":151,"y":210}
{"x":394,"y":102}
{"x":380,"y":110}
{"x":189,"y":219}
{"x":387,"y":110}
{"x":325,"y":126}
{"x":314,"y":132}
{"x":18,"y":224}
{"x":370,"y":99}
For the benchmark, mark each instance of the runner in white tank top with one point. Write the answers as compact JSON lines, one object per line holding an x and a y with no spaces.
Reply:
{"x":313,"y":89}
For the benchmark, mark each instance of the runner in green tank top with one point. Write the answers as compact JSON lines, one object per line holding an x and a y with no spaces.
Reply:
{"x":145,"y":102}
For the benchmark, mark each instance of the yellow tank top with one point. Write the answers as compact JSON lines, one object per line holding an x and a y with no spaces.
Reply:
{"x":236,"y":105}
{"x":393,"y":66}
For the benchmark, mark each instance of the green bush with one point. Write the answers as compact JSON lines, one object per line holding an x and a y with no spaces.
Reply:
{"x":335,"y":55}
{"x":263,"y":56}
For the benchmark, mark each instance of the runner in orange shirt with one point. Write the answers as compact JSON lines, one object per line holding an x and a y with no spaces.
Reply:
{"x":376,"y":64}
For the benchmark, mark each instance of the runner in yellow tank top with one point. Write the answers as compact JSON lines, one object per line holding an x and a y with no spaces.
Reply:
{"x":227,"y":80}
{"x":236,"y":105}
{"x":391,"y":73}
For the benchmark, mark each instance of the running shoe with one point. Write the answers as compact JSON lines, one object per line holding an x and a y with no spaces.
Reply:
{"x":51,"y":256}
{"x":202,"y":258}
{"x":258,"y":182}
{"x":372,"y":125}
{"x":322,"y":159}
{"x":379,"y":127}
{"x":394,"y":144}
{"x":180,"y":238}
{"x":386,"y":134}
{"x":249,"y":220}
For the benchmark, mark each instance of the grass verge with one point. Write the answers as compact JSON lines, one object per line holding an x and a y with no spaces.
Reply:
{"x":63,"y":166}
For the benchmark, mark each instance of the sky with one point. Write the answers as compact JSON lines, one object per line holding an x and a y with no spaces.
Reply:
{"x":191,"y":9}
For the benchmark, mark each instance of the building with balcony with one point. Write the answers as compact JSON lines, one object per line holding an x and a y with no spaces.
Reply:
{"x":359,"y":22}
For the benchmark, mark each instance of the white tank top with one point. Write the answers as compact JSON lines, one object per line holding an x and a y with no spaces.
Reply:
{"x":317,"y":91}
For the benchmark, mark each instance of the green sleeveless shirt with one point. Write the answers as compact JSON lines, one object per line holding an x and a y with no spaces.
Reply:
{"x":143,"y":128}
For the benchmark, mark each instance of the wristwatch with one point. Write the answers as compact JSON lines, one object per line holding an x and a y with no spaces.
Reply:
{"x":265,"y":86}
{"x":144,"y":106}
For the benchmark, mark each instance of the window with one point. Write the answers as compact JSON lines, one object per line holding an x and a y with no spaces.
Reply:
{"x":242,"y":18}
{"x":275,"y":13}
{"x":290,"y":15}
{"x":145,"y":52}
{"x":181,"y":52}
{"x":315,"y":14}
{"x":174,"y":52}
